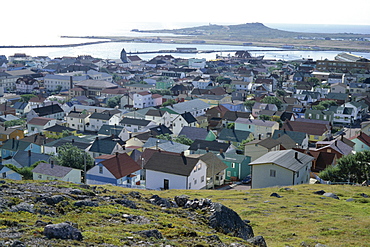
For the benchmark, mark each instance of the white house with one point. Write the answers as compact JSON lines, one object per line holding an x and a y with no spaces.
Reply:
{"x":202,"y":83}
{"x":197,"y":63}
{"x":118,"y":169}
{"x":175,"y":171}
{"x":97,"y":120}
{"x":146,"y":99}
{"x":39,"y":124}
{"x":158,"y":117}
{"x":78,"y":120}
{"x":63,"y":81}
{"x":281,"y":168}
{"x":182,"y":120}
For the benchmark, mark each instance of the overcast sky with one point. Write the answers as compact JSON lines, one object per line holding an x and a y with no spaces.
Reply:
{"x":99,"y":14}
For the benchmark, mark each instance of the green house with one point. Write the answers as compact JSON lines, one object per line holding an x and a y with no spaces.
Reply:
{"x":237,"y":165}
{"x":164,"y":83}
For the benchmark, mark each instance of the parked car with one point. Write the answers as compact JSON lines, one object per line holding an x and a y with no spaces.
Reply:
{"x":247,"y":179}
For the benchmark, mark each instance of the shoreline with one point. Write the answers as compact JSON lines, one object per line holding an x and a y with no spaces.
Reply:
{"x":190,"y":40}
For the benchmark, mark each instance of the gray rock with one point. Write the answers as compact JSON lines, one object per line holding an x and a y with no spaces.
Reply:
{"x":135,"y":194}
{"x":181,"y":200}
{"x":320,"y":245}
{"x":350,"y":200}
{"x":54,"y":199}
{"x":23,"y":206}
{"x":276,"y":195}
{"x":227,"y":221}
{"x":319,"y":192}
{"x":151,"y":234}
{"x":332,"y":195}
{"x":86,"y":203}
{"x":62,"y":231}
{"x":257,"y":241}
{"x":17,"y":243}
{"x":127,"y":203}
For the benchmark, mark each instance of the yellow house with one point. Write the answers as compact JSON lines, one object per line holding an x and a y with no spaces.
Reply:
{"x":10,"y":133}
{"x":57,"y":131}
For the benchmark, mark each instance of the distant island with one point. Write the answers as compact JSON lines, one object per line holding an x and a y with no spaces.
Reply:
{"x":261,"y":35}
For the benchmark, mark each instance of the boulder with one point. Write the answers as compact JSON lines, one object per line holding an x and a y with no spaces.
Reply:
{"x":332,"y":195}
{"x":23,"y":206}
{"x":127,"y":203}
{"x":319,"y":192}
{"x":257,"y":241}
{"x":276,"y":195}
{"x":62,"y":231}
{"x":54,"y":199}
{"x":227,"y":221}
{"x":86,"y":203}
{"x":181,"y":200}
{"x":151,"y":234}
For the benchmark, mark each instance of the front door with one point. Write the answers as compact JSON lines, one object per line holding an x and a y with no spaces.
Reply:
{"x":166,"y":184}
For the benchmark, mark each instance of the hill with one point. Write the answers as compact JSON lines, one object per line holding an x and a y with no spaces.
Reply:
{"x":113,"y":216}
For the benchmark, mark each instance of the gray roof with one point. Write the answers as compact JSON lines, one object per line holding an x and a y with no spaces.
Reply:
{"x":166,"y":145}
{"x":285,"y":159}
{"x":194,"y":133}
{"x":52,"y":170}
{"x":188,"y":106}
{"x":256,"y":122}
{"x":233,"y":135}
{"x":27,"y":158}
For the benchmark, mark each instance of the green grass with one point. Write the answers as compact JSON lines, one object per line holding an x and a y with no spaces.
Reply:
{"x":299,"y":216}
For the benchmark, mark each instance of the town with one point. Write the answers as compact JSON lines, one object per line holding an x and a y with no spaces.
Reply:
{"x":175,"y":123}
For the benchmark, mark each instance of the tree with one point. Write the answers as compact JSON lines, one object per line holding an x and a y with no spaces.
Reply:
{"x":169,"y":102}
{"x":230,"y":126}
{"x":313,"y":80}
{"x":26,"y":97}
{"x":280,"y":93}
{"x":351,"y":168}
{"x":15,"y":122}
{"x":265,"y":117}
{"x":272,"y":100}
{"x":249,"y":104}
{"x":114,"y":101}
{"x":179,"y":139}
{"x":71,"y":156}
{"x":26,"y":171}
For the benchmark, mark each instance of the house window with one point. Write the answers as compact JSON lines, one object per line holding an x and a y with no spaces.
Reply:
{"x":232,"y":165}
{"x":202,"y":179}
{"x":272,"y":173}
{"x":195,"y":181}
{"x":4,"y":174}
{"x":298,"y":174}
{"x":39,"y":176}
{"x":100,"y":169}
{"x":229,"y":173}
{"x":199,"y":167}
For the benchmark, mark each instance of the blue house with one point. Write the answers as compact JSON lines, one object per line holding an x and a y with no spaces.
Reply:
{"x":8,"y":173}
{"x":12,"y":146}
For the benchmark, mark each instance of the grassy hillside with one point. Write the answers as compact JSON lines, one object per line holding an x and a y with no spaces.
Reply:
{"x":298,"y":218}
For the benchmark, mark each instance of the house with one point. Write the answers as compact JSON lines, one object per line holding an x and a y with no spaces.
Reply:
{"x":26,"y":158}
{"x":323,"y":115}
{"x":349,"y":112}
{"x":234,"y":136}
{"x":337,"y":146}
{"x":78,"y":120}
{"x":107,"y":145}
{"x":182,"y":120}
{"x":258,"y":147}
{"x":98,"y":119}
{"x":300,"y":138}
{"x":10,"y":133}
{"x":365,"y":127}
{"x":258,"y":107}
{"x":90,"y":88}
{"x":39,"y":124}
{"x":116,"y":130}
{"x":119,"y":169}
{"x":281,"y":168}
{"x":165,"y":145}
{"x":237,"y":165}
{"x":196,"y":107}
{"x":136,"y":125}
{"x":194,"y":133}
{"x":338,"y":88}
{"x":258,"y":127}
{"x":12,"y":146}
{"x":362,"y":142}
{"x":216,"y":169}
{"x":7,"y":173}
{"x":46,"y":171}
{"x":316,"y":130}
{"x":203,"y":146}
{"x":175,"y":171}
{"x":19,"y":108}
{"x":146,"y":99}
{"x":51,"y":111}
{"x":158,"y":117}
{"x":58,"y":131}
{"x":81,"y":142}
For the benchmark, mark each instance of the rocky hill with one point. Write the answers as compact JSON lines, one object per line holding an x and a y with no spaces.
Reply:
{"x":53,"y":213}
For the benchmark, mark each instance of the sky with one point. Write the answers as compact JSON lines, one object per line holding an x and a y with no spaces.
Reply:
{"x":73,"y":17}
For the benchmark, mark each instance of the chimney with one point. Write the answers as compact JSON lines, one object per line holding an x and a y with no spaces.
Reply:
{"x":71,"y":82}
{"x":116,"y":154}
{"x":296,"y":155}
{"x":207,"y":149}
{"x":336,"y":143}
{"x":184,"y":160}
{"x":341,"y":137}
{"x":259,"y":136}
{"x":73,"y":140}
{"x":52,"y":164}
{"x":221,"y":151}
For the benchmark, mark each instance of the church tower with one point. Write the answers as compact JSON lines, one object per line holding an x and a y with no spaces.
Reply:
{"x":124,"y":56}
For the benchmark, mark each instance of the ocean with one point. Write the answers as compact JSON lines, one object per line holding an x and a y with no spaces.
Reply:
{"x":112,"y":50}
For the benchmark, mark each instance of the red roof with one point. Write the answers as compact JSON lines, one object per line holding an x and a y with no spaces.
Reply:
{"x":121,"y":165}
